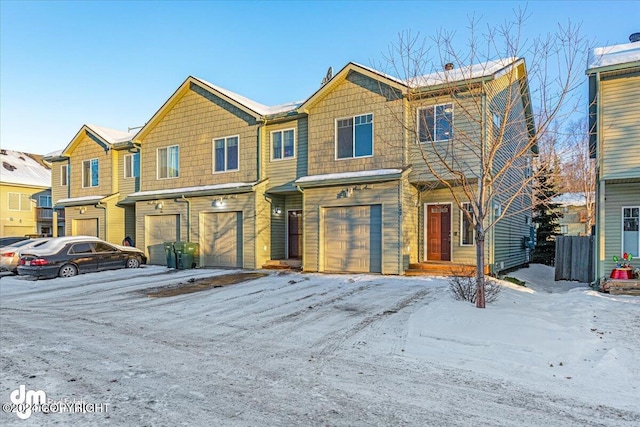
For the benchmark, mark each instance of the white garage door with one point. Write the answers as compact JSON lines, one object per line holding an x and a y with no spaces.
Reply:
{"x":85,"y":227}
{"x":221,"y":244}
{"x":353,"y":239}
{"x":160,"y":229}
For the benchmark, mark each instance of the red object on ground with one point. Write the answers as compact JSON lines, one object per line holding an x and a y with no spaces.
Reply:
{"x":622,"y":273}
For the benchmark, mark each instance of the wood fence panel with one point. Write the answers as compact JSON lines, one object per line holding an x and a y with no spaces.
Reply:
{"x":574,"y":258}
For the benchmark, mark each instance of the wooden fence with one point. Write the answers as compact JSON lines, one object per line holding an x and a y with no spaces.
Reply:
{"x":574,"y":258}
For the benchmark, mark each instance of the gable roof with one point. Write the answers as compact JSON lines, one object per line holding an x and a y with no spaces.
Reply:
{"x":23,"y":169}
{"x":249,"y":106}
{"x":103,"y":136}
{"x":613,"y":57}
{"x":481,"y":71}
{"x":341,"y":75}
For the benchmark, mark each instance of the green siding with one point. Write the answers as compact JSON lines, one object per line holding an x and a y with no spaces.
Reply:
{"x":617,"y":196}
{"x":620,"y":127}
{"x":278,"y":229}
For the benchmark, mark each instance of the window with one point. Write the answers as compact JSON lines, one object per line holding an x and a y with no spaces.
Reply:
{"x":225,"y":154}
{"x":282,"y":144}
{"x":354,"y":137}
{"x":497,"y":121}
{"x":132,"y":165}
{"x":564,"y":229}
{"x":103,"y":247}
{"x":64,"y":175}
{"x":466,"y":226}
{"x":19,"y":201}
{"x":90,"y":173}
{"x":435,"y":123}
{"x":82,"y":248}
{"x":168,"y":162}
{"x":631,"y":231}
{"x":44,"y":201}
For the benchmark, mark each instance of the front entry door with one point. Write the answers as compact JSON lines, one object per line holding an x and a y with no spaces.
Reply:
{"x":295,"y":234}
{"x":438,"y":233}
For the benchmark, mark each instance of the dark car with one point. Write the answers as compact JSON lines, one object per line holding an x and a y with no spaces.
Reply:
{"x":6,"y":241}
{"x":68,"y":256}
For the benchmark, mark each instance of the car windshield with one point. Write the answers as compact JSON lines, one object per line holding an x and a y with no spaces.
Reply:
{"x":19,"y":244}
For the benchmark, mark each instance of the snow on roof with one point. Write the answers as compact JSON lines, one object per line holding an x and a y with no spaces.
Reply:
{"x":182,"y":190}
{"x":570,"y":199}
{"x":474,"y":71}
{"x":112,"y":136}
{"x":348,"y":175}
{"x":21,"y":168}
{"x":53,"y":153}
{"x":251,"y":104}
{"x":87,"y":199}
{"x":614,"y":55}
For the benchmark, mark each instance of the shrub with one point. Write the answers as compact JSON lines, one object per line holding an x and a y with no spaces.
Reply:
{"x":463,"y":288}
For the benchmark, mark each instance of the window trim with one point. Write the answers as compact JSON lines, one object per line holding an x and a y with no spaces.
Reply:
{"x":473,"y":234}
{"x":353,"y":117}
{"x":213,"y":154}
{"x":418,"y":121}
{"x":19,"y":202}
{"x":158,"y":162}
{"x":91,"y":172}
{"x":64,"y":175}
{"x":622,"y":208}
{"x":273,"y":159}
{"x":130,"y":157}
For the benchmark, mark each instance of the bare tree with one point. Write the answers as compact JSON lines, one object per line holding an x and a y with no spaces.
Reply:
{"x":484,"y":156}
{"x":578,"y":170}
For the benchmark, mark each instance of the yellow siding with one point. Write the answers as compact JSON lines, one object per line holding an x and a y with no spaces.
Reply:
{"x":58,"y":191}
{"x":17,"y":222}
{"x":386,"y":194}
{"x":354,"y":96}
{"x":192,"y":124}
{"x":87,"y":149}
{"x":410,"y":235}
{"x":619,"y":125}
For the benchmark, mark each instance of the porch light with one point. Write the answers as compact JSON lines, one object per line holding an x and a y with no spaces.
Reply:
{"x":277,"y":211}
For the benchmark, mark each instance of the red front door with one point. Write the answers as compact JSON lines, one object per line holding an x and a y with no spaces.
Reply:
{"x":438,"y":233}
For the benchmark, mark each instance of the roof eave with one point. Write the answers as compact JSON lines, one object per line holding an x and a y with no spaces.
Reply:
{"x":615,"y":67}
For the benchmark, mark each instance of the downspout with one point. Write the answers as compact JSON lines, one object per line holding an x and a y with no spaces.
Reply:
{"x":188,"y":202}
{"x":99,"y":205}
{"x":601,"y":189}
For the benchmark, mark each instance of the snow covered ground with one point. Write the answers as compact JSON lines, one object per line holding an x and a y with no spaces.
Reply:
{"x":311,"y":349}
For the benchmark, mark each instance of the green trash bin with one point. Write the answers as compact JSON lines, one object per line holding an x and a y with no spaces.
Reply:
{"x":169,"y":252}
{"x":186,"y":254}
{"x":193,"y":249}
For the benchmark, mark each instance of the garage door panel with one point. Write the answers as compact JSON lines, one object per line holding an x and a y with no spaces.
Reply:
{"x":86,"y":227}
{"x":353,"y":239}
{"x":160,"y":229}
{"x":222,"y":239}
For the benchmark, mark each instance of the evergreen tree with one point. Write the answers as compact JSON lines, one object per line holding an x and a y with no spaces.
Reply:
{"x":545,"y":216}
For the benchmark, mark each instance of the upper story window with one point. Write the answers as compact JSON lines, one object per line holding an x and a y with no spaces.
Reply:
{"x":435,"y":123}
{"x":64,"y":175}
{"x":132,"y":165}
{"x":90,"y":173}
{"x":466,"y":226}
{"x":19,"y":201}
{"x":225,"y":154}
{"x":168,"y":161}
{"x":354,"y":137}
{"x":282,"y":144}
{"x":44,"y":201}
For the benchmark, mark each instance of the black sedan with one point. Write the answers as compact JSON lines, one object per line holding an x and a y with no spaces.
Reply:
{"x":68,"y":256}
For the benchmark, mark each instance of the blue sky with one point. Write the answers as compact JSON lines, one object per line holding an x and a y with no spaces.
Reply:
{"x":114,"y":63}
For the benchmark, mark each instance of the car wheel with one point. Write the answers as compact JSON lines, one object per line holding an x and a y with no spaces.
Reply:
{"x":68,"y":270}
{"x":132,"y":263}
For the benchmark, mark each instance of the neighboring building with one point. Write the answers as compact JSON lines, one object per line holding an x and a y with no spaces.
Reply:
{"x":89,"y":178}
{"x":614,"y":122}
{"x":334,"y":181}
{"x":25,"y":191}
{"x":575,"y":214}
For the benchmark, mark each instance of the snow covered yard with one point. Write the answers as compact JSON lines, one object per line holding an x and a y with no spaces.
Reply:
{"x":310,"y":349}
